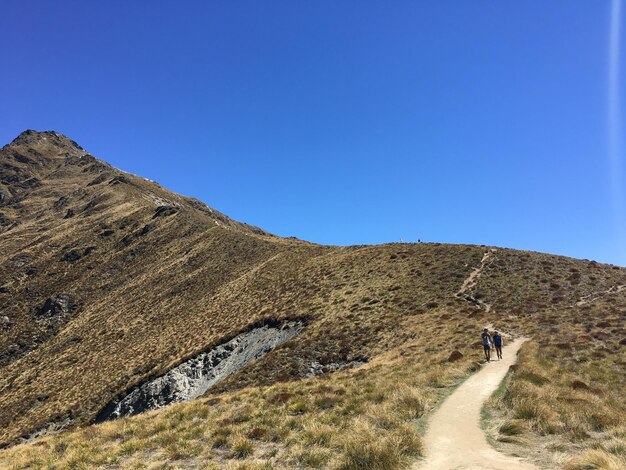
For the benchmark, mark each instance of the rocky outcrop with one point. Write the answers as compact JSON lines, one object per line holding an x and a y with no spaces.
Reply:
{"x":195,"y":376}
{"x":70,"y":256}
{"x":57,"y":305}
{"x":164,"y":211}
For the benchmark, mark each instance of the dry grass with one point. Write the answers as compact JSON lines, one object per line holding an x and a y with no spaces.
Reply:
{"x":596,"y":460}
{"x":568,"y":390}
{"x":361,"y":419}
{"x":151,"y":291}
{"x":154,"y":291}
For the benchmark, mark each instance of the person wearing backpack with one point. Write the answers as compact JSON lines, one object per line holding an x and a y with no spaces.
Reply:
{"x":497,"y":344}
{"x":487,"y":342}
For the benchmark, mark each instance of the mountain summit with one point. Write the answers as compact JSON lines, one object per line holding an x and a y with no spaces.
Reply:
{"x":32,"y":138}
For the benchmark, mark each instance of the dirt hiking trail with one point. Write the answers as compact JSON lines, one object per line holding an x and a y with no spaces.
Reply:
{"x":470,"y":282}
{"x":454,"y":439}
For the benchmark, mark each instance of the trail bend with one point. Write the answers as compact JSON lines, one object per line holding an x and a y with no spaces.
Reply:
{"x":454,"y":439}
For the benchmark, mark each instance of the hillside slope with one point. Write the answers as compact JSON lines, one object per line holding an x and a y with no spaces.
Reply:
{"x":108,"y":280}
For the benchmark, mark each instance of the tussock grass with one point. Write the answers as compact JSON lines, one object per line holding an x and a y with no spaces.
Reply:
{"x":242,"y":448}
{"x":363,"y":419}
{"x":569,"y":394}
{"x":596,"y":460}
{"x":155,"y":290}
{"x":365,"y":449}
{"x":512,"y":428}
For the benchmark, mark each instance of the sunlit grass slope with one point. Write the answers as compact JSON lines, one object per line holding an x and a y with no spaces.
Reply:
{"x":149,"y":278}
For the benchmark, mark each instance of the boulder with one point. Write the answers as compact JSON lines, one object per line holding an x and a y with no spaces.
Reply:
{"x":70,"y":256}
{"x":56,"y":305}
{"x":21,"y":260}
{"x":455,"y":356}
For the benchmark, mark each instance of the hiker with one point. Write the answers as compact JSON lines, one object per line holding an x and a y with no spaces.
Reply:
{"x":487,"y":342}
{"x":497,"y":343}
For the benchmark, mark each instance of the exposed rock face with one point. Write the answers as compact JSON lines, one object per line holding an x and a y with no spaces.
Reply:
{"x":120,"y":179}
{"x":164,"y":211}
{"x":194,"y":377}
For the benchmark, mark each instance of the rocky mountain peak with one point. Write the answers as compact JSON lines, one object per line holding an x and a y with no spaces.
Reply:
{"x":32,"y":137}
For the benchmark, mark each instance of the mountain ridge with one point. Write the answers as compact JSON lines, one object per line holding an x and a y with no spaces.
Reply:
{"x":109,"y":280}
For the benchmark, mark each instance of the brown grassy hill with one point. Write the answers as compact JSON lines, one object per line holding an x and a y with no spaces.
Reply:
{"x":108,"y":279}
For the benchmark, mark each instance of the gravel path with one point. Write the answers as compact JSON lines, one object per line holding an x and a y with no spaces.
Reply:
{"x":454,"y":439}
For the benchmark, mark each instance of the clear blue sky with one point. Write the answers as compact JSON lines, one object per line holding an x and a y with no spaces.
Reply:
{"x":341,"y":122}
